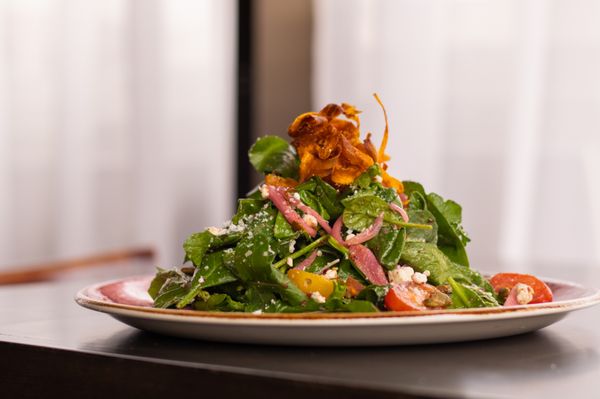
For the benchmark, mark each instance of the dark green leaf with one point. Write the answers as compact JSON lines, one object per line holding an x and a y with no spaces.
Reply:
{"x":282,"y":229}
{"x":470,"y":296}
{"x":387,"y":246}
{"x":324,"y":193}
{"x":196,"y":246}
{"x":422,"y":235}
{"x":213,"y":271}
{"x":272,"y":154}
{"x":219,"y":302}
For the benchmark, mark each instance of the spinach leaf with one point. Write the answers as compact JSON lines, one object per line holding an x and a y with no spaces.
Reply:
{"x":361,"y":211}
{"x":422,"y":235}
{"x":272,"y":154}
{"x":451,"y":236}
{"x":470,"y":296}
{"x":387,"y":246}
{"x":213,"y":271}
{"x":312,"y":201}
{"x":324,"y":193}
{"x":346,"y":269}
{"x":253,"y":265}
{"x":426,"y":256}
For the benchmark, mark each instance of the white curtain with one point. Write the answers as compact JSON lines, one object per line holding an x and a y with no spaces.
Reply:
{"x":116,"y":124}
{"x":495,"y":104}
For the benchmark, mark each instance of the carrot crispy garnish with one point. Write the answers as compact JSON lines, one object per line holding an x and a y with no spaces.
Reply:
{"x":329,"y":146}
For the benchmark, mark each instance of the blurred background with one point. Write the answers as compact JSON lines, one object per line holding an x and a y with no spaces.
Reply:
{"x":125,"y":123}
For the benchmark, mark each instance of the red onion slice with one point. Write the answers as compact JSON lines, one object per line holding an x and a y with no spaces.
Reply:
{"x":367,"y":263}
{"x":306,"y":262}
{"x":400,"y":210}
{"x":369,"y":232}
{"x":336,"y":232}
{"x":308,"y":210}
{"x":276,"y":196}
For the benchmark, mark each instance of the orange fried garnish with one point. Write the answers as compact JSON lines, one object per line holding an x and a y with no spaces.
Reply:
{"x":274,"y":180}
{"x":329,"y":146}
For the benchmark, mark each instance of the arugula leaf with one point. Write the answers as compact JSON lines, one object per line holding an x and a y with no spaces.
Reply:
{"x":253,"y":265}
{"x":219,"y":302}
{"x":168,"y":287}
{"x":213,"y":271}
{"x":374,"y":294}
{"x":247,"y":206}
{"x":282,"y":229}
{"x":272,"y":154}
{"x":196,"y":246}
{"x":387,"y":246}
{"x":470,"y":296}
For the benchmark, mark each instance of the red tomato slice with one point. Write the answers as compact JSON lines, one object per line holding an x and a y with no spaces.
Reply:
{"x":408,"y":296}
{"x":541,"y":292}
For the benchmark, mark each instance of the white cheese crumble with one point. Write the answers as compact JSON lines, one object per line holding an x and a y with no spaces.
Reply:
{"x":310,"y":220}
{"x":379,"y":179}
{"x":524,"y":293}
{"x":319,"y":252}
{"x":257,"y":312}
{"x":216,"y":231}
{"x":331,"y":274}
{"x":201,"y":280}
{"x":317,"y":297}
{"x":401,"y":274}
{"x":292,"y":246}
{"x":248,"y":253}
{"x":419,"y":278}
{"x":296,"y":196}
{"x":427,"y":273}
{"x":290,"y":262}
{"x":264,"y":191}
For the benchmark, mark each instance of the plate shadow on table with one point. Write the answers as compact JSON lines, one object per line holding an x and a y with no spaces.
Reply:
{"x":514,"y":359}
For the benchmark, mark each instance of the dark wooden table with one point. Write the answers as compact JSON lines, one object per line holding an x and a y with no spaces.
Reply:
{"x":51,"y":346}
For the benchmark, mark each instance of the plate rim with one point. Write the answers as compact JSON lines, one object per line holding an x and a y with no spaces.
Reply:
{"x":336,"y":319}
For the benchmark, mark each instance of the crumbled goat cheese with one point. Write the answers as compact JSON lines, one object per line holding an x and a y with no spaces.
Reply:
{"x":248,"y":253}
{"x":524,"y":293}
{"x":401,"y":274}
{"x":201,"y":279}
{"x":290,"y":262}
{"x":264,"y":191}
{"x":216,"y":231}
{"x":379,"y":179}
{"x":317,"y":297}
{"x":310,"y":220}
{"x":331,"y":274}
{"x":427,"y":273}
{"x":292,"y":246}
{"x":319,"y":253}
{"x":257,"y":312}
{"x":419,"y":278}
{"x":296,"y":196}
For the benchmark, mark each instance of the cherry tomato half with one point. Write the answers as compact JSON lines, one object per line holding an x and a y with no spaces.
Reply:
{"x":408,"y":296}
{"x":541,"y":292}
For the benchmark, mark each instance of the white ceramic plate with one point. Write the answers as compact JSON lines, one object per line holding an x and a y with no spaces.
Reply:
{"x":127,"y":301}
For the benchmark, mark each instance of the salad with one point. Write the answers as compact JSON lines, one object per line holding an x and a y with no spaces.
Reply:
{"x":329,"y":230}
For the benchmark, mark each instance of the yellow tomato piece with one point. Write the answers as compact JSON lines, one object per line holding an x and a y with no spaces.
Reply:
{"x":310,"y":282}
